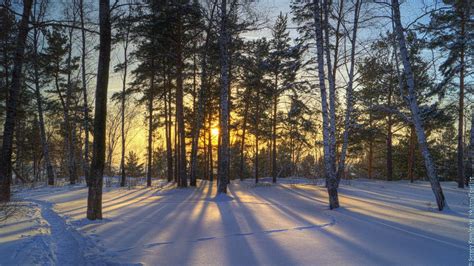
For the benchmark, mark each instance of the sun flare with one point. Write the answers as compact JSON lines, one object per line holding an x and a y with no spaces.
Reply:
{"x":215,"y":132}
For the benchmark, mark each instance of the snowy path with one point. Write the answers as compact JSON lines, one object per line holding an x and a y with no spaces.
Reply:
{"x":380,"y":223}
{"x":66,"y":244}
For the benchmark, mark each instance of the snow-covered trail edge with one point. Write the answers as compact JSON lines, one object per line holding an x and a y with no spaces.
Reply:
{"x":67,"y":246}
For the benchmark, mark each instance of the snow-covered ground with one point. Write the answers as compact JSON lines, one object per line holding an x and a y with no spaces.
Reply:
{"x":379,"y":223}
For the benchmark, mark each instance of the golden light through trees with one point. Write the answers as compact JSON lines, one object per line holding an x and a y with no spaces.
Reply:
{"x":215,"y":132}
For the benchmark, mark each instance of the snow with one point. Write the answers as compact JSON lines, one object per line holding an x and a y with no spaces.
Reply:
{"x":287,"y":223}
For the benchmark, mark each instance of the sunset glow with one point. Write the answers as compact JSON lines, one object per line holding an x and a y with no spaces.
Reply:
{"x":215,"y":132}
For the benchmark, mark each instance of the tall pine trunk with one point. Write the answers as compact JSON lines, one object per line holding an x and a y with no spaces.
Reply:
{"x":69,"y":117}
{"x":11,"y":105}
{"x":84,"y":92}
{"x":122,"y":103}
{"x":209,"y":151}
{"x":257,"y":138}
{"x":180,"y":108}
{"x":460,"y":152}
{"x":94,"y":200}
{"x":471,"y":151}
{"x":199,"y":116}
{"x":414,"y":108}
{"x":39,"y":104}
{"x":242,"y":141}
{"x":150,"y":130}
{"x":223,"y":168}
{"x":169,"y":148}
{"x":274,"y":134}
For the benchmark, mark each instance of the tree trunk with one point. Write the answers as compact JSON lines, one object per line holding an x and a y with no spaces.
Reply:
{"x":151,"y":96}
{"x":257,"y":136}
{"x":84,"y":91}
{"x":332,"y":88}
{"x":274,"y":137}
{"x":242,"y":142}
{"x":209,"y":151}
{"x":176,"y":151}
{"x":169,"y":149}
{"x":415,"y":112}
{"x":411,"y":154}
{"x":39,"y":103}
{"x":179,"y":110}
{"x":460,"y":151}
{"x":389,"y":139}
{"x":70,"y":123}
{"x":471,"y":151}
{"x":389,"y":151}
{"x":256,"y":157}
{"x":223,"y":171}
{"x":331,"y":180}
{"x":199,"y":114}
{"x":122,"y":109}
{"x":349,"y":93}
{"x":94,"y":200}
{"x":11,"y":105}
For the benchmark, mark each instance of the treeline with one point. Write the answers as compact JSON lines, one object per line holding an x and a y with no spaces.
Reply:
{"x":218,"y":105}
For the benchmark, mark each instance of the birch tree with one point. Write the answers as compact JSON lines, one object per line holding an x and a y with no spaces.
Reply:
{"x":327,"y":117}
{"x":414,"y":108}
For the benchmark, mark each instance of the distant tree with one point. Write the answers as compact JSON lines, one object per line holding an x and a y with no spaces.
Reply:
{"x":284,"y":63}
{"x":60,"y":64}
{"x":124,"y":37}
{"x":132,"y":165}
{"x":256,"y":80}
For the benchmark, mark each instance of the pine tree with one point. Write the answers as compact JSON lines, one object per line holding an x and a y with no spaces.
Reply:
{"x":285,"y":62}
{"x":12,"y":102}
{"x":451,"y":30}
{"x":256,"y":80}
{"x":132,"y":165}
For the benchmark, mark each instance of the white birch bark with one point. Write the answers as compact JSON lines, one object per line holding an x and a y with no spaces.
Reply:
{"x":349,"y":94}
{"x":414,"y":108}
{"x":331,"y":181}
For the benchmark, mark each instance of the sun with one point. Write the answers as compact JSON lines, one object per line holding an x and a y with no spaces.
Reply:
{"x":215,"y":132}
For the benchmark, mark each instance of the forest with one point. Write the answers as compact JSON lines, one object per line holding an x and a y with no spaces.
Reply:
{"x":129,"y":95}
